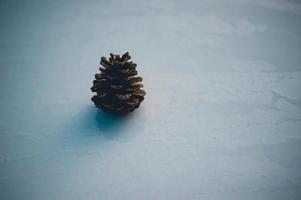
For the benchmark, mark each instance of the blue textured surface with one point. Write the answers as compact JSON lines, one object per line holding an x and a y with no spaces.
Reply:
{"x":221,"y":119}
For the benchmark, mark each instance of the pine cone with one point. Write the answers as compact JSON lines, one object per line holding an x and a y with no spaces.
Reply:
{"x":118,"y":89}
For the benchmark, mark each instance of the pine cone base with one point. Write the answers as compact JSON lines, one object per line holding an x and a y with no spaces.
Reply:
{"x":118,"y":88}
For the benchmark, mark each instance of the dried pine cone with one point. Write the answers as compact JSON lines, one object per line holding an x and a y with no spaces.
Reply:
{"x":118,"y":88}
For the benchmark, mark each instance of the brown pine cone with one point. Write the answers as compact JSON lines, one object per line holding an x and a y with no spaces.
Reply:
{"x":118,"y":88}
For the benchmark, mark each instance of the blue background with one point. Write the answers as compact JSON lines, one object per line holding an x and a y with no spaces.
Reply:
{"x":221,"y":118}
